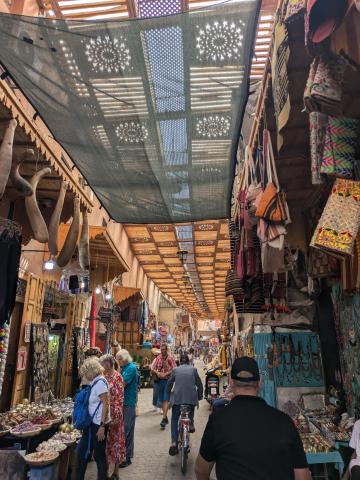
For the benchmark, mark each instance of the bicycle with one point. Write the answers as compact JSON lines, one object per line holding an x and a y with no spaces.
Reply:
{"x":184,"y":436}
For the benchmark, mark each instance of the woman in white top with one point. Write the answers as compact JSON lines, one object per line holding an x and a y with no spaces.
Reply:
{"x":95,"y":436}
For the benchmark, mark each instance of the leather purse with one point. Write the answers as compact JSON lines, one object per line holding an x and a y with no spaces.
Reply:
{"x":272,"y":205}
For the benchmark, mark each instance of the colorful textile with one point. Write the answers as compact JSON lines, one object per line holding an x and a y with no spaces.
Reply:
{"x":324,"y":88}
{"x":164,"y":365}
{"x":341,"y":141}
{"x":318,"y":123}
{"x":294,"y":9}
{"x":339,"y":223}
{"x":115,"y":442}
{"x":280,"y":80}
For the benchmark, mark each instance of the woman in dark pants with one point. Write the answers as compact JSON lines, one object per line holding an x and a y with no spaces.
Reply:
{"x":95,"y":436}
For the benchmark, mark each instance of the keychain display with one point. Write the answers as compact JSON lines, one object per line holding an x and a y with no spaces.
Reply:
{"x":295,"y":360}
{"x":40,"y":356}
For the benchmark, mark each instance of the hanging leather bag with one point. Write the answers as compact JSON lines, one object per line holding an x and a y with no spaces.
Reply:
{"x":272,"y":205}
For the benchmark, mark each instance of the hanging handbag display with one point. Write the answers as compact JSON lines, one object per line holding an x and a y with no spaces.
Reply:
{"x":339,"y":223}
{"x":272,"y":205}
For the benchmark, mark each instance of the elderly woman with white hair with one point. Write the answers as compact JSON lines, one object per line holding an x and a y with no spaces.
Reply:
{"x":95,"y":436}
{"x":129,"y":374}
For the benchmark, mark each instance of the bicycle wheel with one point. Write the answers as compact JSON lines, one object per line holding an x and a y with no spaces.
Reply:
{"x":184,"y":457}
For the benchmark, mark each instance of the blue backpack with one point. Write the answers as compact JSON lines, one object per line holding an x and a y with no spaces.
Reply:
{"x":82,"y":418}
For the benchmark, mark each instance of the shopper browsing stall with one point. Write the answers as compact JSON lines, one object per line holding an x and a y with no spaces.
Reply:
{"x":115,"y":444}
{"x":130,"y":376}
{"x":99,"y":412}
{"x":249,"y":439}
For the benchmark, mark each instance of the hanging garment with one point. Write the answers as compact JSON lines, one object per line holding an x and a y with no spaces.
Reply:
{"x":339,"y":223}
{"x":318,"y":123}
{"x":10,"y":251}
{"x":280,"y":80}
{"x":340,"y":148}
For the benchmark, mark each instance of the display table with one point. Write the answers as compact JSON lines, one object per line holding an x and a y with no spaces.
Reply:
{"x":325,"y":458}
{"x":50,"y":472}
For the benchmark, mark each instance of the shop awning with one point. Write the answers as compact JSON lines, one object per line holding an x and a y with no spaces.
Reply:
{"x":120,"y":294}
{"x":150,"y":109}
{"x":103,"y":251}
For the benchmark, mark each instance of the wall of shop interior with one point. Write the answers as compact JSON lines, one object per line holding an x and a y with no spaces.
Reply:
{"x":168,"y":316}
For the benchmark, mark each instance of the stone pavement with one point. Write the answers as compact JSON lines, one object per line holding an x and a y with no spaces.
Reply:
{"x":152,"y":460}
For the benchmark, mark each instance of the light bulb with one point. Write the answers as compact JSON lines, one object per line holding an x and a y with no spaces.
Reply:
{"x":49,"y":264}
{"x":108,"y":296}
{"x":82,"y":285}
{"x":97,"y":290}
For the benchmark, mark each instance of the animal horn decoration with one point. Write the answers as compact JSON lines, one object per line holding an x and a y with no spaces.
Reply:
{"x":72,"y":237}
{"x":6,"y":152}
{"x":18,"y":182}
{"x":84,"y":248}
{"x":36,"y":219}
{"x":55,"y":220}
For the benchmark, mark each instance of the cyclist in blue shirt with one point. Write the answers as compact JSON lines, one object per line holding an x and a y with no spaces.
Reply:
{"x":130,"y":376}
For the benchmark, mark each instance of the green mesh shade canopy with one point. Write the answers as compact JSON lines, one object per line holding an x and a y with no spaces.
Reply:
{"x":148,"y":109}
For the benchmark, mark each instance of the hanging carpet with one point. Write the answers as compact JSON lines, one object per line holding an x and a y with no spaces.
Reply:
{"x":149,"y":109}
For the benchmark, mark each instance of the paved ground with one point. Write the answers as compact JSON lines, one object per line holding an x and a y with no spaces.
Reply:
{"x":151,"y":445}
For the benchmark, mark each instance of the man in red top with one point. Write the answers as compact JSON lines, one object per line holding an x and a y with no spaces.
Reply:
{"x":162,"y":367}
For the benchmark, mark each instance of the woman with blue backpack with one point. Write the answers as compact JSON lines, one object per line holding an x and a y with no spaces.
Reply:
{"x":92,"y":416}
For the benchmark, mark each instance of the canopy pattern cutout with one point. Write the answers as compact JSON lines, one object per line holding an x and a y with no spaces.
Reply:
{"x":149,"y":109}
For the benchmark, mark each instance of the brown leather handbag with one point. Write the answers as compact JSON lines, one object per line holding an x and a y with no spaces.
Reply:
{"x":272,"y":205}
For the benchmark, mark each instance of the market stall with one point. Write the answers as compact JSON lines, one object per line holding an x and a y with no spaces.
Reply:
{"x":43,"y":435}
{"x":294,"y":228}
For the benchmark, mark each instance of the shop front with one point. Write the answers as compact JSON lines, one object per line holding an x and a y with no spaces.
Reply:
{"x":292,"y":292}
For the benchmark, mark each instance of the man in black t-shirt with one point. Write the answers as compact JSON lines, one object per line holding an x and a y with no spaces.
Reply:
{"x":248,"y":439}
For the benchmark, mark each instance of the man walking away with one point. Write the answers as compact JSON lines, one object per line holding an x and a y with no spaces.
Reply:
{"x":162,"y":367}
{"x":188,"y":390}
{"x":248,"y":439}
{"x":130,"y":376}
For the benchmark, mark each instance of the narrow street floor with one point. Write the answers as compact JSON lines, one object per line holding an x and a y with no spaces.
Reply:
{"x":152,"y":459}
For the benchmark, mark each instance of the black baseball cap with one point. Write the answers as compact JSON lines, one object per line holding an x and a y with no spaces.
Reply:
{"x":245,"y":364}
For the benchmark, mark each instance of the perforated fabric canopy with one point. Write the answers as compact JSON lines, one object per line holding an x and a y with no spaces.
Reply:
{"x":148,"y":109}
